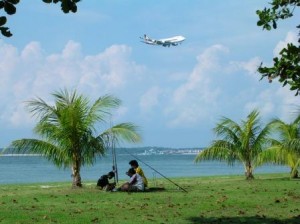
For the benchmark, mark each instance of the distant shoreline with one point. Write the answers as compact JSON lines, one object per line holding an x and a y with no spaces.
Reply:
{"x":138,"y":151}
{"x":19,"y":154}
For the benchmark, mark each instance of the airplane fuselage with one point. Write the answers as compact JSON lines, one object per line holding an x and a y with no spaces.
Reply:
{"x":166,"y":42}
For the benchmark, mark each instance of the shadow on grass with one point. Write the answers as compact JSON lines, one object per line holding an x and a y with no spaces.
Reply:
{"x":278,"y":178}
{"x":252,"y":220}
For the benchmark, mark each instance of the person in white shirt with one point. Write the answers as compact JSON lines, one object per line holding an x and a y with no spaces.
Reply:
{"x":135,"y":183}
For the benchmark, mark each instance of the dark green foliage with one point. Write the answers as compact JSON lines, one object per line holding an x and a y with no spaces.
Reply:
{"x":66,"y":5}
{"x":286,"y":67}
{"x":9,"y":6}
{"x":2,"y":20}
{"x":5,"y":31}
{"x":10,"y":9}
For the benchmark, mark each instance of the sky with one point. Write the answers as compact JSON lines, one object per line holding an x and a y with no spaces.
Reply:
{"x":176,"y":95}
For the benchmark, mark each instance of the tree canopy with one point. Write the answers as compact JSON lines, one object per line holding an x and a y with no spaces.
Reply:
{"x":10,"y":8}
{"x":239,"y":142}
{"x":280,"y":151}
{"x":286,"y":67}
{"x":69,"y":130}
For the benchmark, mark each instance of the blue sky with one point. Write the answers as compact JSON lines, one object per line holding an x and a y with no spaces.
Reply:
{"x":176,"y":95}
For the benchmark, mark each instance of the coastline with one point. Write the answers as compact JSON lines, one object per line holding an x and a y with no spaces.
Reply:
{"x":159,"y":180}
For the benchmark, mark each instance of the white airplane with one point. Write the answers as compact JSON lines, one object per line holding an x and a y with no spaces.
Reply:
{"x":166,"y":42}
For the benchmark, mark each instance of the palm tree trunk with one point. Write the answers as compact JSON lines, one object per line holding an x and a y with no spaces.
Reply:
{"x":76,"y":174}
{"x":249,"y":171}
{"x":294,"y":173}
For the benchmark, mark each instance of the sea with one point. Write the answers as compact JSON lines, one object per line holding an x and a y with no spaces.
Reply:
{"x":156,"y":162}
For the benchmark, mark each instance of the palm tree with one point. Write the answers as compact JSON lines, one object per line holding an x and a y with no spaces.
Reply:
{"x":241,"y":142}
{"x":286,"y":149}
{"x":69,"y":137}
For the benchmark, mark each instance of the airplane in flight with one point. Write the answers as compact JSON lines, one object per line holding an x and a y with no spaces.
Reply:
{"x":166,"y":42}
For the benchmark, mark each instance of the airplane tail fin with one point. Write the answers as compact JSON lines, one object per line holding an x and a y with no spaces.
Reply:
{"x":146,"y":38}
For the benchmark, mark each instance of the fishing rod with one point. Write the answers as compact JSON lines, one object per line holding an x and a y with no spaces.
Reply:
{"x":157,"y":171}
{"x":113,"y":150}
{"x":114,"y":167}
{"x":111,"y":144}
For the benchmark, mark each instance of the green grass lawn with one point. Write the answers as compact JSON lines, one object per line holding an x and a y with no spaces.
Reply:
{"x":271,"y":198}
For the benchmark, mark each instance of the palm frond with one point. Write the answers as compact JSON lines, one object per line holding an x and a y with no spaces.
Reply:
{"x":263,"y":140}
{"x":250,"y":129}
{"x":101,"y":108}
{"x":92,"y":148}
{"x":64,"y":97}
{"x":39,"y":108}
{"x":219,"y":150}
{"x":273,"y":154}
{"x":50,"y":151}
{"x":124,"y":132}
{"x":228,"y":130}
{"x":292,"y":145}
{"x":286,"y":131}
{"x":297,"y":120}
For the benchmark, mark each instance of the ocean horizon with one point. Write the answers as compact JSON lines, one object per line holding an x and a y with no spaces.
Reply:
{"x":155,"y":161}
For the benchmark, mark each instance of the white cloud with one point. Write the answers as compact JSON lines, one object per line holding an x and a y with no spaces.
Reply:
{"x":207,"y":61}
{"x":279,"y":101}
{"x":150,"y":99}
{"x":291,"y":37}
{"x":8,"y":62}
{"x":8,"y":57}
{"x":288,"y":103}
{"x":199,"y":99}
{"x":275,"y":102}
{"x":264,"y":103}
{"x":193,"y":100}
{"x":120,"y":113}
{"x":109,"y":70}
{"x":71,"y":51}
{"x":19,"y":116}
{"x":32,"y":52}
{"x":32,"y":73}
{"x":249,"y":66}
{"x":211,"y":88}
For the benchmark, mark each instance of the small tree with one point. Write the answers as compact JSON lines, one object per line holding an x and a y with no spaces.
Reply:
{"x":69,"y":137}
{"x":282,"y":151}
{"x":242,"y":142}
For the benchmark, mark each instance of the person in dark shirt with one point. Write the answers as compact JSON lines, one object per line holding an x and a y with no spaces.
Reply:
{"x":103,"y":181}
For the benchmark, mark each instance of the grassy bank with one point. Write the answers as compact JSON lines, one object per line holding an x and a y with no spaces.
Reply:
{"x":272,"y":198}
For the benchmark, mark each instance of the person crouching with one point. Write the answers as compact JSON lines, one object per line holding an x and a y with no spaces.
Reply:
{"x":103,"y":182}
